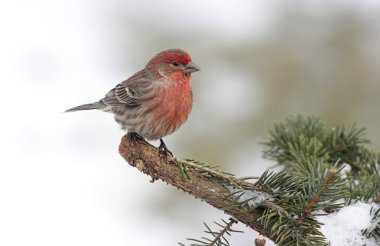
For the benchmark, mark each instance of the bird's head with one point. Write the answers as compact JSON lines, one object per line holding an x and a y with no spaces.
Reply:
{"x":173,"y":63}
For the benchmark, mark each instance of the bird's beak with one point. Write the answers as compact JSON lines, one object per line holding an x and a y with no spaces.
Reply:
{"x":191,"y":67}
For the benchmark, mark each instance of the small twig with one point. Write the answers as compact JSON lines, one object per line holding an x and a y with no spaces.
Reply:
{"x":238,"y":182}
{"x":215,"y":173}
{"x":225,"y":229}
{"x":248,"y":177}
{"x":333,"y":172}
{"x":228,"y":177}
{"x":271,"y":205}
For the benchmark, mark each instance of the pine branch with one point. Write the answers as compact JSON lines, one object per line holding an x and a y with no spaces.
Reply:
{"x":198,"y":180}
{"x":374,"y":229}
{"x":225,"y":229}
{"x":218,"y":237}
{"x":323,"y":169}
{"x":291,"y":219}
{"x":330,"y":177}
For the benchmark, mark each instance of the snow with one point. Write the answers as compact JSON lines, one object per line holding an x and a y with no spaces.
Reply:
{"x":346,"y":169}
{"x":345,"y":226}
{"x":256,"y":196}
{"x":340,"y":228}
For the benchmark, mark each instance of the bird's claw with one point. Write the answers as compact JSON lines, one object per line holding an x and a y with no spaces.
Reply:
{"x":134,"y":136}
{"x":163,"y":149}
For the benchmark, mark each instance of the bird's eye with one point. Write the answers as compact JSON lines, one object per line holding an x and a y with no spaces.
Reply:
{"x":176,"y":64}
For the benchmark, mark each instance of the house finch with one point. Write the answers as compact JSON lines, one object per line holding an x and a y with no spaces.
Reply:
{"x":153,"y":102}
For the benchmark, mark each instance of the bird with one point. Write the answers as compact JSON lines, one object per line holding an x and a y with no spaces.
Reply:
{"x":155,"y":101}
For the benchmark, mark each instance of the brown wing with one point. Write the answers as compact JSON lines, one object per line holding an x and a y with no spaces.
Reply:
{"x":129,"y":92}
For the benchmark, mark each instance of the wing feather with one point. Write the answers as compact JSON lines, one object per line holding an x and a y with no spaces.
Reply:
{"x":130,"y":92}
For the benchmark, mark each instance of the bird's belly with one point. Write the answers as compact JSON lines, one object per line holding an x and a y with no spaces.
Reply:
{"x":163,"y":122}
{"x":166,"y":117}
{"x":158,"y":119}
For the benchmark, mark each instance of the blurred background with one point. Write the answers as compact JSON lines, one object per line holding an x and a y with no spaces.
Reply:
{"x":62,"y":181}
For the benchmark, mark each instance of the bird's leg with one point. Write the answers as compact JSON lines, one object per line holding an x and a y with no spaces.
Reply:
{"x":163,"y":148}
{"x":134,"y":136}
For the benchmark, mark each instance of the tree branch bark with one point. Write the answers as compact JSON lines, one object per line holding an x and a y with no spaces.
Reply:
{"x":201,"y":182}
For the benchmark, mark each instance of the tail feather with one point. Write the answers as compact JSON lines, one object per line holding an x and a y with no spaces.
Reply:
{"x":88,"y":106}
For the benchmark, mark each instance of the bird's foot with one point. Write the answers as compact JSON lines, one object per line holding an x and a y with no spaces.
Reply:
{"x":134,"y":136}
{"x":163,"y":149}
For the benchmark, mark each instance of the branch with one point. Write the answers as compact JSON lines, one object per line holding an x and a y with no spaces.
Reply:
{"x":226,"y":228}
{"x":199,"y":181}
